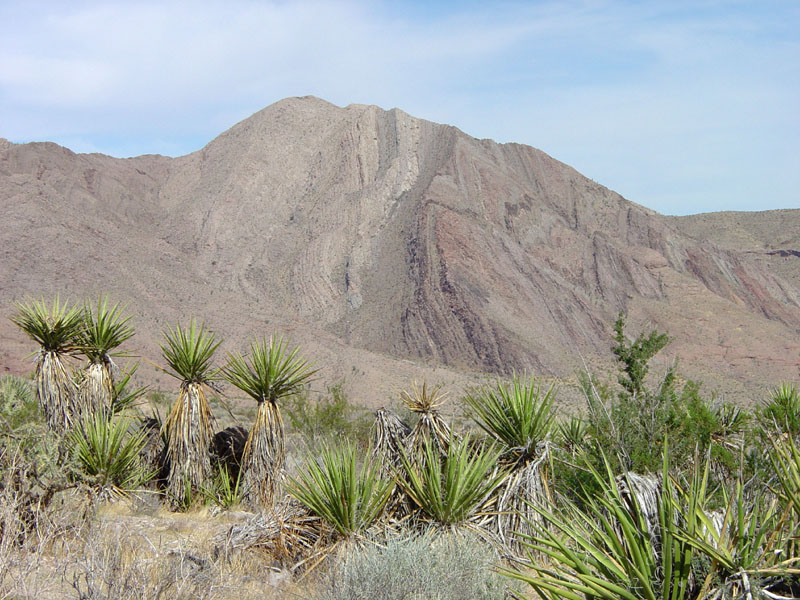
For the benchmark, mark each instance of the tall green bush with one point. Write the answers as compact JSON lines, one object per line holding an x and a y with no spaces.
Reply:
{"x":630,"y":426}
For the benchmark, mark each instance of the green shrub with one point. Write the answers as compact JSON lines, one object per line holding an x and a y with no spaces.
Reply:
{"x":327,"y":419}
{"x":18,"y":406}
{"x":782,"y":410}
{"x":451,"y":490}
{"x":630,"y":426}
{"x":108,"y":453}
{"x":446,"y":566}
{"x":348,"y":497}
{"x":24,"y":436}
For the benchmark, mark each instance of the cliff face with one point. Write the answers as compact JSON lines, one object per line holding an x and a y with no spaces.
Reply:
{"x":383,"y":233}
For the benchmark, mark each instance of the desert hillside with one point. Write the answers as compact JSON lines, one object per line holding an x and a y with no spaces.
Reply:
{"x":394,"y":248}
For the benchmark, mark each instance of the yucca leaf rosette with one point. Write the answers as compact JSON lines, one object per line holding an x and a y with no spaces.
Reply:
{"x":455,"y":488}
{"x":425,"y":402}
{"x":348,"y":496}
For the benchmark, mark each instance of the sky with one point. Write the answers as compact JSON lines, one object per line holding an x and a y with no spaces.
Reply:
{"x":682,"y":106}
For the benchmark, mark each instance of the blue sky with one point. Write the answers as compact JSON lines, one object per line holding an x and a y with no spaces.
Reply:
{"x":683,"y":107}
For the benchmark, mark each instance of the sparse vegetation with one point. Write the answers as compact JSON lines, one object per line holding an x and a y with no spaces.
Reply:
{"x":655,"y":492}
{"x":329,"y":417}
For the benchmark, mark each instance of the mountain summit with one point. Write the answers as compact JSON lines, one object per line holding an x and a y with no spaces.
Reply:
{"x":377,"y":238}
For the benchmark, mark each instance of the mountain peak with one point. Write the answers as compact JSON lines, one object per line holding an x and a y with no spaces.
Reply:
{"x":389,"y":238}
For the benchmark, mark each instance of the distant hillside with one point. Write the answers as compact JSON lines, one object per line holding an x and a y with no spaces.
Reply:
{"x":392,"y":247}
{"x":771,"y":237}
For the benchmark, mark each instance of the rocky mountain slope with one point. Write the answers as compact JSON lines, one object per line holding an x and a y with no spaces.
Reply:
{"x":392,"y":247}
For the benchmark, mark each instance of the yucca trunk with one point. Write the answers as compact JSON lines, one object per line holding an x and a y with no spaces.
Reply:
{"x":96,"y":392}
{"x":431,"y":426}
{"x":189,"y":436}
{"x":56,"y":391}
{"x":264,"y":456}
{"x":389,"y":444}
{"x":390,"y":439}
{"x":641,"y":494}
{"x":525,"y":488}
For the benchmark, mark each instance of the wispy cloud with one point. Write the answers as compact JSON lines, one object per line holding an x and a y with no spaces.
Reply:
{"x":684,"y":108}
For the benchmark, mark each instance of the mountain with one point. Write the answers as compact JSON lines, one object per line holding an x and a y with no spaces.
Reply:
{"x":392,"y":247}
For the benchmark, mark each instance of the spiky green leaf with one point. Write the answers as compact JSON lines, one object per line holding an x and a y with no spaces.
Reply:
{"x":189,"y":352}
{"x":270,"y":373}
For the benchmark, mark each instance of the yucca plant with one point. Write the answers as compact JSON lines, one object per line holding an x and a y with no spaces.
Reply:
{"x":225,"y":490}
{"x":746,"y":543}
{"x":607,"y":550}
{"x":454,"y":489}
{"x":430,"y":425}
{"x":389,"y":437}
{"x":271,"y":373}
{"x":108,"y":451}
{"x":189,"y":353}
{"x":105,"y":329}
{"x":519,"y":418}
{"x":573,"y":434}
{"x":782,"y":410}
{"x":785,"y":458}
{"x":55,"y":328}
{"x":349,"y":497}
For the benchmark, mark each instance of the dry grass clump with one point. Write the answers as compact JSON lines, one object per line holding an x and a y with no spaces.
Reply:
{"x":288,"y":536}
{"x":36,"y":519}
{"x":127,"y":551}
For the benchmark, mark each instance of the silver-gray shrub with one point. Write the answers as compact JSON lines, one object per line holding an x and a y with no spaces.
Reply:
{"x":447,"y":565}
